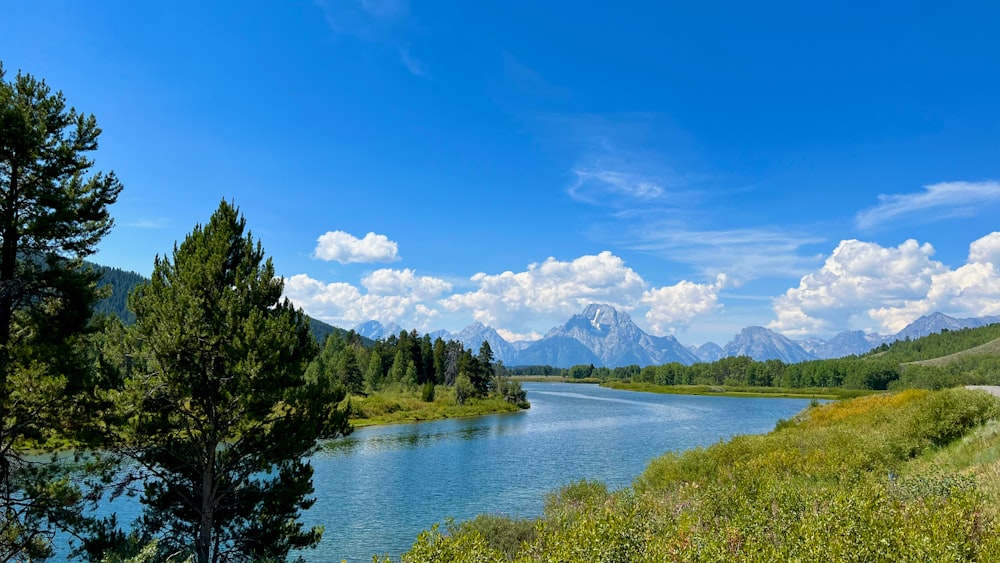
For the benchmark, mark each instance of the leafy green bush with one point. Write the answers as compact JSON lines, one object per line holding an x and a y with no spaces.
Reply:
{"x":503,"y":534}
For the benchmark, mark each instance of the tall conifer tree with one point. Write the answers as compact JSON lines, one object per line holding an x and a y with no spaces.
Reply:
{"x":53,"y":212}
{"x":224,"y":417}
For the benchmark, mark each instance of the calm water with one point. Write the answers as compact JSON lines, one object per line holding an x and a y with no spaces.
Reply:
{"x":378,"y":488}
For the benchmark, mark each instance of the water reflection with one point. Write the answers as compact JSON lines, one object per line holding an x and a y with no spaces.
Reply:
{"x":377,"y":488}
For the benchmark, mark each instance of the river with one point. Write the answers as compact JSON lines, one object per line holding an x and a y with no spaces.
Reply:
{"x":379,"y":487}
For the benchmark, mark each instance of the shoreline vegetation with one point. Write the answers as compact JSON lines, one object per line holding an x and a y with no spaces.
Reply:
{"x":830,"y":393}
{"x":406,"y":406}
{"x":912,"y":475}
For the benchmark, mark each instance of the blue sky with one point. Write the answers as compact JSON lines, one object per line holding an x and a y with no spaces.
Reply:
{"x":704,"y":166}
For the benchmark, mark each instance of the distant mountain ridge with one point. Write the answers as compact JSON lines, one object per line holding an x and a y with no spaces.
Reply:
{"x":605,"y":337}
{"x":761,"y":344}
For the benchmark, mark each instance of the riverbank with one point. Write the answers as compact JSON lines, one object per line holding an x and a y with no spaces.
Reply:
{"x":400,"y":407}
{"x":830,"y":393}
{"x":908,"y":476}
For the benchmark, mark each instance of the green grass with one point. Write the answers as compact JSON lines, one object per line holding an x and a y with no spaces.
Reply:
{"x":991,"y":348}
{"x":909,"y":476}
{"x":732,"y":391}
{"x":400,"y":406}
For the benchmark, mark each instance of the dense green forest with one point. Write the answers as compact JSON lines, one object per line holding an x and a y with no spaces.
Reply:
{"x":402,"y":377}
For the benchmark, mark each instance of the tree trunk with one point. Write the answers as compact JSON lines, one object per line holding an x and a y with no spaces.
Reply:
{"x":204,"y":547}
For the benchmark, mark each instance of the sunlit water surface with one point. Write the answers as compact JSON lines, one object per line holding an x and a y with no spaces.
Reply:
{"x":379,"y":487}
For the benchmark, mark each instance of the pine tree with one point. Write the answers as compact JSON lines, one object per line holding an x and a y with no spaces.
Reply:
{"x":220,"y":415}
{"x":53,"y":212}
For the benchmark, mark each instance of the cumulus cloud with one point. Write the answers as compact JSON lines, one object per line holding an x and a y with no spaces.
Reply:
{"x":674,"y":307}
{"x":864,"y":285}
{"x":398,"y":296}
{"x":511,"y":336}
{"x":395,"y":282}
{"x":551,"y":287}
{"x":936,"y":202}
{"x":347,"y":249}
{"x":559,"y":289}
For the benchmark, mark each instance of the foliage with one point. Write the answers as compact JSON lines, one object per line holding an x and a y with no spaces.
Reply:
{"x":945,"y":343}
{"x":858,"y":480}
{"x":402,"y":404}
{"x":53,"y":212}
{"x":215,"y":411}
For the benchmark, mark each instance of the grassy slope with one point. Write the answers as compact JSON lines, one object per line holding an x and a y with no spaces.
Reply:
{"x":910,"y":476}
{"x":991,"y":348}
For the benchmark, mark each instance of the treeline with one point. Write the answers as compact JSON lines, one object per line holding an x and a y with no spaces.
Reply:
{"x":409,"y":360}
{"x":850,"y":372}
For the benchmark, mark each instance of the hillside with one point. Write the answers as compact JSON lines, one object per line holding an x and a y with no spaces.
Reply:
{"x":121,"y":283}
{"x":991,"y":348}
{"x":937,"y":345}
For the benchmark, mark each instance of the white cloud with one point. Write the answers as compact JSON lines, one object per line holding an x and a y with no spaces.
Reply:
{"x":511,"y":336}
{"x":559,"y":289}
{"x":552,"y":287}
{"x":346,"y":248}
{"x":936,"y":202}
{"x":675,"y":306}
{"x":864,"y":285}
{"x":986,"y":250}
{"x":392,"y":296}
{"x":392,"y":282}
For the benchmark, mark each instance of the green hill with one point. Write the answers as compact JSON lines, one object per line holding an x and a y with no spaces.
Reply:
{"x":938,"y":345}
{"x":991,"y":348}
{"x":122,"y":282}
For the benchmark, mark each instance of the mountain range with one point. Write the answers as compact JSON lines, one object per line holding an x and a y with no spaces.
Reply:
{"x":602,"y":336}
{"x":605,"y":337}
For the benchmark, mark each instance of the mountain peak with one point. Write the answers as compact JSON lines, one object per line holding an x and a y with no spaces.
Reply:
{"x":761,"y":344}
{"x":614,"y":339}
{"x":602,"y":315}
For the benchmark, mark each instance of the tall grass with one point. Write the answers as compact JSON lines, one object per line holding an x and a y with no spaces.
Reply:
{"x":911,"y":476}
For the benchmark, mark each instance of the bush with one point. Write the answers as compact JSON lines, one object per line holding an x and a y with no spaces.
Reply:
{"x":507,"y":535}
{"x":948,"y":414}
{"x":427,"y":392}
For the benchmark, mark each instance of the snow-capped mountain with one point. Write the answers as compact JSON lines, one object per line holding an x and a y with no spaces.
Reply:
{"x":611,"y":338}
{"x":604,"y":336}
{"x":761,"y":344}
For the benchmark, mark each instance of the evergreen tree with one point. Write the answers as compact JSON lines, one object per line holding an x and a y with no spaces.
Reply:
{"x":53,"y":212}
{"x":219,"y":415}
